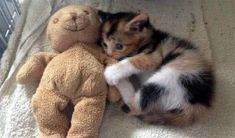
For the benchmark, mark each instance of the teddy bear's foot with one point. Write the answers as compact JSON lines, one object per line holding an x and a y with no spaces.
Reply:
{"x":87,"y":117}
{"x":48,"y":109}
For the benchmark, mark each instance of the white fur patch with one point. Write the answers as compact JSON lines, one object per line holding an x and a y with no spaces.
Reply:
{"x":174,"y":97}
{"x":129,"y":96}
{"x":123,"y":69}
{"x":137,"y":100}
{"x":126,"y":90}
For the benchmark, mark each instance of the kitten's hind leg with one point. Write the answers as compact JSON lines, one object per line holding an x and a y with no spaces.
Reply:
{"x":129,"y":97}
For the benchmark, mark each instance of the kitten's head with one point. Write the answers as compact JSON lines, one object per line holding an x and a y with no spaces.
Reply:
{"x":123,"y":33}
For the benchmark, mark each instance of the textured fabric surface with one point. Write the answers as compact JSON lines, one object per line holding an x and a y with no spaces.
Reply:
{"x":184,"y":18}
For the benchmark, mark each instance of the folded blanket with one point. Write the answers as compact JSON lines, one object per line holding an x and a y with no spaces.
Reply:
{"x":181,"y":17}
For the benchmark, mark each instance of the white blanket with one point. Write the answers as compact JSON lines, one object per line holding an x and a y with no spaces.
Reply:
{"x":180,"y":17}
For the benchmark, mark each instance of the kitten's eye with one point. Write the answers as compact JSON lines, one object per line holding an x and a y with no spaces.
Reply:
{"x":104,"y":45}
{"x":119,"y":46}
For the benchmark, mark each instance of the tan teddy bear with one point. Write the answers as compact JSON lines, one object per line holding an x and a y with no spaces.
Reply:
{"x":74,"y":75}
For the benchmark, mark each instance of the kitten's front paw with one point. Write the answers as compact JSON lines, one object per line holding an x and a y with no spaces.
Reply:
{"x":112,"y":75}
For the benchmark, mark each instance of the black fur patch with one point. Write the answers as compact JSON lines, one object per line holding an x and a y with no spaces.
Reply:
{"x":150,"y":93}
{"x":182,"y":43}
{"x":113,"y":28}
{"x":171,"y":56}
{"x":104,"y":15}
{"x":125,"y":108}
{"x":200,"y":89}
{"x":114,"y":19}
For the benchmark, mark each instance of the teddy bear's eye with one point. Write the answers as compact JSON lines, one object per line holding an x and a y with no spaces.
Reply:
{"x":86,"y":12}
{"x":55,"y":20}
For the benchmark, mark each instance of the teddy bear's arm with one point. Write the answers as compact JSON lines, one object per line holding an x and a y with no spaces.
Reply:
{"x":34,"y":67}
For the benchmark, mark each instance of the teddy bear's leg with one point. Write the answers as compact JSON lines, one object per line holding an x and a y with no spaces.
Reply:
{"x":48,"y":109}
{"x":87,"y":117}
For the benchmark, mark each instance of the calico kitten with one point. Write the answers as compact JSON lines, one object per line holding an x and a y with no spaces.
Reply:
{"x":178,"y":88}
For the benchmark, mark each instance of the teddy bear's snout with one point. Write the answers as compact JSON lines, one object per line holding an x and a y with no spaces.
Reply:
{"x":76,"y":22}
{"x":73,"y":16}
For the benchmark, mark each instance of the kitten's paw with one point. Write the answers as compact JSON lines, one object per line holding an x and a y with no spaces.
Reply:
{"x":112,"y":75}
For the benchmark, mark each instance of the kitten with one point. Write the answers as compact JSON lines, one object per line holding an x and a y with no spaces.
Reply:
{"x":178,"y":88}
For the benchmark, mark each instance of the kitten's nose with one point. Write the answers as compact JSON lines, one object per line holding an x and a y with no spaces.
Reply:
{"x":109,"y":52}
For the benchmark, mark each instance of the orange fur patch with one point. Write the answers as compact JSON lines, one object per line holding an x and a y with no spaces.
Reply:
{"x":190,"y":62}
{"x":147,"y":61}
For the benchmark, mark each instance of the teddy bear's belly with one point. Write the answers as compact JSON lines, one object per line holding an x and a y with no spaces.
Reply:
{"x":79,"y":75}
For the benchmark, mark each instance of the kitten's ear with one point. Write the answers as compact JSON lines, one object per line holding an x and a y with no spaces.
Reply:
{"x":104,"y":15}
{"x":137,"y":24}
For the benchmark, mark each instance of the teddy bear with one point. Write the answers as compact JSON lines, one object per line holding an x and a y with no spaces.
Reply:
{"x":71,"y":75}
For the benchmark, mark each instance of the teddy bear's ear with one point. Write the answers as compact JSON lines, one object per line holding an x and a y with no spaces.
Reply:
{"x":104,"y":15}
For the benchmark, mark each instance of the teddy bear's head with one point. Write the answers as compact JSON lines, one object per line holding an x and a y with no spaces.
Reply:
{"x":72,"y":24}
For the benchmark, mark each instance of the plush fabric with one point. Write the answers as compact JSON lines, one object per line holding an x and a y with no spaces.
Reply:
{"x":72,"y":76}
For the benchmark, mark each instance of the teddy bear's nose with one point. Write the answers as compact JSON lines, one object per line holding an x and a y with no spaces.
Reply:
{"x":73,"y":15}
